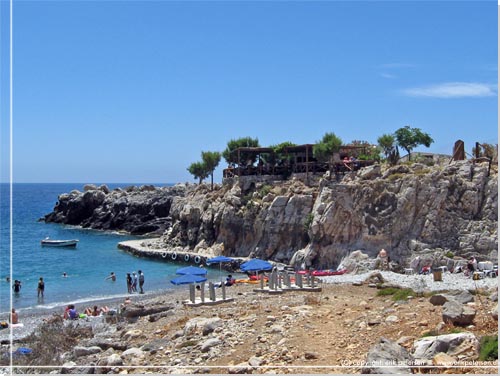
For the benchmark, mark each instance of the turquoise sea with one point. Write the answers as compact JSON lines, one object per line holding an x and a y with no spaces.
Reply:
{"x":86,"y":266}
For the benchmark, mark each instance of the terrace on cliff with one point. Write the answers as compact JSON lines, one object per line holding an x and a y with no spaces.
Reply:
{"x":296,"y":159}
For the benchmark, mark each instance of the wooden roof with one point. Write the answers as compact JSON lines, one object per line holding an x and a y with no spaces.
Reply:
{"x":253,"y":150}
{"x":299,"y":148}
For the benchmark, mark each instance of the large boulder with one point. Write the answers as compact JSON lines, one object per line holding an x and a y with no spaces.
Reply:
{"x":202,"y":325}
{"x":356,"y":262}
{"x":458,"y":314}
{"x":384,"y":356}
{"x":462,"y":297}
{"x":464,"y":344}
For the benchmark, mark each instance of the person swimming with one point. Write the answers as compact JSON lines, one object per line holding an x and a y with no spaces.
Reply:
{"x":111,"y":276}
{"x":16,"y":286}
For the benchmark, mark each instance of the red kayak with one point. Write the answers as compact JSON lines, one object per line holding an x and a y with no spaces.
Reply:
{"x":324,"y":273}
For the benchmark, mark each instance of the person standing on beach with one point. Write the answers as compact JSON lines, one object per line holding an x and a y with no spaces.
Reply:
{"x":141,"y":281}
{"x":41,"y":287}
{"x":129,"y":283}
{"x":134,"y":282}
{"x":14,"y":318}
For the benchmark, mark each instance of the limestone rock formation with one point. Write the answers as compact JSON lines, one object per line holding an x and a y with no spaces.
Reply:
{"x":436,"y":212}
{"x":137,"y":210}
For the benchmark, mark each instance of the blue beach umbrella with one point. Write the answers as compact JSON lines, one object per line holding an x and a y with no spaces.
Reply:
{"x":194,"y":270}
{"x":188,"y":279}
{"x":255,"y":265}
{"x":220,"y":260}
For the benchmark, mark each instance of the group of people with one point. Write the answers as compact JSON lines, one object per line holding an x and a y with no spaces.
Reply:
{"x":133,"y":279}
{"x":469,"y":270}
{"x":16,"y":287}
{"x":71,"y":313}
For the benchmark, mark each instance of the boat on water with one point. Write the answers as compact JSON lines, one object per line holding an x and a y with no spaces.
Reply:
{"x":59,"y":243}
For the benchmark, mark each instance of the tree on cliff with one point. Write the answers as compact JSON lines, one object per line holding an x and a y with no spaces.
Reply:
{"x":324,"y":149}
{"x":278,"y":156}
{"x":211,"y":160}
{"x":386,"y":142}
{"x":409,"y":138}
{"x":198,"y":170}
{"x":245,"y":157}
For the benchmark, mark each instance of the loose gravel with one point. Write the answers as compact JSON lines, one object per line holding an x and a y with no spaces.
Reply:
{"x":451,"y":281}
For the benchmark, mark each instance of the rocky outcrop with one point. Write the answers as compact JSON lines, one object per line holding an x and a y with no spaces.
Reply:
{"x":409,"y":210}
{"x":136,"y":210}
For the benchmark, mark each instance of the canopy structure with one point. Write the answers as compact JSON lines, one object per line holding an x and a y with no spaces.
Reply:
{"x":194,"y":270}
{"x":255,"y":265}
{"x":220,"y":260}
{"x":188,"y":279}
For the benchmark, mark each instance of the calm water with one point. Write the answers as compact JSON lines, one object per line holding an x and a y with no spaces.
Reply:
{"x":86,"y":266}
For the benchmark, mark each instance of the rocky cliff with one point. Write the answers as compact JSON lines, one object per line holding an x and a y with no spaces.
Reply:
{"x":407,"y":209}
{"x":136,"y":210}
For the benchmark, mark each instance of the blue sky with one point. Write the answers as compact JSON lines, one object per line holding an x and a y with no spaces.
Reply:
{"x":129,"y":91}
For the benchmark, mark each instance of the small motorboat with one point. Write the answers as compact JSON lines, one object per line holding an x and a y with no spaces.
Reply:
{"x":59,"y":243}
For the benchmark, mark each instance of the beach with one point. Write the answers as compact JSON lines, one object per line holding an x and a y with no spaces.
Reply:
{"x":294,"y":332}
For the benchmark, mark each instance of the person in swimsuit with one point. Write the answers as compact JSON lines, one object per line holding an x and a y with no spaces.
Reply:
{"x":16,"y":286}
{"x":129,"y":283}
{"x":41,"y":287}
{"x":14,"y":318}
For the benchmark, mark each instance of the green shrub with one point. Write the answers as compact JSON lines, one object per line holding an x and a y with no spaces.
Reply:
{"x":488,"y":348}
{"x":397,"y":294}
{"x":395,"y":176}
{"x":403,"y":294}
{"x":449,"y":254}
{"x":49,"y":341}
{"x":308,"y":222}
{"x":430,"y":333}
{"x":264,"y":190}
{"x":387,"y":291}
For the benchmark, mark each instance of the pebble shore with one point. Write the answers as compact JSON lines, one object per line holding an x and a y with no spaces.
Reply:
{"x":416,"y":282}
{"x":450,"y":281}
{"x":294,"y":332}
